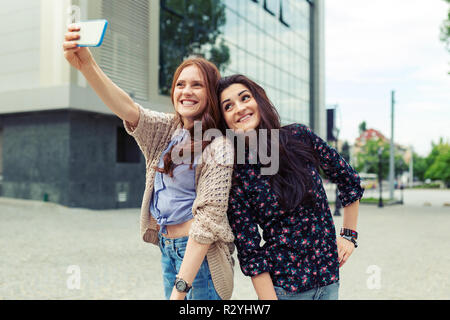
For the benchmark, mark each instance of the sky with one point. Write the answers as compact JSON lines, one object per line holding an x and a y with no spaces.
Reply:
{"x":375,"y":47}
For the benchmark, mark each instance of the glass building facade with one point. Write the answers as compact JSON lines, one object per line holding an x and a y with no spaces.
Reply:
{"x":94,"y":163}
{"x":267,"y":40}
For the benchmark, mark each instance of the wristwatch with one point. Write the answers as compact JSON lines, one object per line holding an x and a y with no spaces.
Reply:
{"x":181,"y":285}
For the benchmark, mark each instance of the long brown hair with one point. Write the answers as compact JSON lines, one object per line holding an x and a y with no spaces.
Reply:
{"x":210,"y":117}
{"x":293,"y":182}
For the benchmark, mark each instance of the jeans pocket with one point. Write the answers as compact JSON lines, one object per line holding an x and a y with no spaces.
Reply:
{"x":280,"y":292}
{"x":180,"y":251}
{"x":330,"y":292}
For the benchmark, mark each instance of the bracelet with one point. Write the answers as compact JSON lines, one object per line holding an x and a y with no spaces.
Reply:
{"x":349,"y":232}
{"x":353,"y":240}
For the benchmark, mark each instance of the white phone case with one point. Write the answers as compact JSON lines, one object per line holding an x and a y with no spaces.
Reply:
{"x":92,"y":32}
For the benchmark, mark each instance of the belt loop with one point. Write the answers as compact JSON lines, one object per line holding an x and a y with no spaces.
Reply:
{"x":161,"y":241}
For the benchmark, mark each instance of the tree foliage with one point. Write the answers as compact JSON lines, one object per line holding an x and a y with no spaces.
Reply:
{"x":420,"y":166}
{"x":368,"y":159}
{"x":439,"y":162}
{"x":362,"y":127}
{"x":190,"y":27}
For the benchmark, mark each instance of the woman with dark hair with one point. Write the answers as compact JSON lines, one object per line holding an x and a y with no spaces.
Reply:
{"x":184,"y":207}
{"x":301,"y":256}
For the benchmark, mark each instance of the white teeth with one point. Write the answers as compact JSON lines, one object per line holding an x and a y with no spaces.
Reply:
{"x":188,"y":103}
{"x":245,"y":118}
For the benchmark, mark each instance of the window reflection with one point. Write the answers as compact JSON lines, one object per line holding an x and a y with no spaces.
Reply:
{"x":190,"y":27}
{"x":270,"y":48}
{"x":272,"y":6}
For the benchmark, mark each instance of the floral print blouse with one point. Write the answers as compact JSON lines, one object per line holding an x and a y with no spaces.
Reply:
{"x":299,"y":249}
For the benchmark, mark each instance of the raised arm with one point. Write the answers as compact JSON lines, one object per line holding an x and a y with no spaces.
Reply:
{"x":114,"y":97}
{"x":334,"y":166}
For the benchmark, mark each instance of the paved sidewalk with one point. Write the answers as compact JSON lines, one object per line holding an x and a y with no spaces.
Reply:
{"x":403,"y":253}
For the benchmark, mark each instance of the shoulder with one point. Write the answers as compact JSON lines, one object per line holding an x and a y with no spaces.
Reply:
{"x":151,"y":116}
{"x":300,"y":132}
{"x":219,"y":152}
{"x":297,"y":129}
{"x":149,"y":120}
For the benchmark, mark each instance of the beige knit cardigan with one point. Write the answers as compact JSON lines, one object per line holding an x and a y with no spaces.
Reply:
{"x":213,"y":182}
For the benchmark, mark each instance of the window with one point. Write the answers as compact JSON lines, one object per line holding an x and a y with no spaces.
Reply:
{"x":127,"y":149}
{"x":124,"y":53}
{"x":190,"y":27}
{"x":285,"y":12}
{"x":271,"y":6}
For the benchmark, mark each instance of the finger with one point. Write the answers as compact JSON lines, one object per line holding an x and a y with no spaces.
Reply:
{"x":340,"y":254}
{"x":68,"y":45}
{"x":73,"y":27}
{"x":69,"y":36}
{"x":343,"y":260}
{"x":340,"y":249}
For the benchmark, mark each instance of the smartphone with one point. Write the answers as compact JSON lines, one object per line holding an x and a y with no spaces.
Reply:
{"x":92,"y":32}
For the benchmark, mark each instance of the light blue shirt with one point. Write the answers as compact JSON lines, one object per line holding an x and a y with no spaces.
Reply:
{"x":173,"y":198}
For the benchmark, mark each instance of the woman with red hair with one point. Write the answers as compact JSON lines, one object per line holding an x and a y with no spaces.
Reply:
{"x":185,"y":202}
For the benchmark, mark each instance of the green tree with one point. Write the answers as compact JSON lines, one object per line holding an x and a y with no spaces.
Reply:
{"x":419,"y":166}
{"x":190,"y":27}
{"x":439,"y":163}
{"x":362,"y":127}
{"x":368,"y":160}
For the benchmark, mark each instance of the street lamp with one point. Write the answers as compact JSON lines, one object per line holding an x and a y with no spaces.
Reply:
{"x":380,"y":177}
{"x":401,"y":190}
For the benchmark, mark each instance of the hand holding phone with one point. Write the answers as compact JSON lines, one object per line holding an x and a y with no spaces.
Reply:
{"x":80,"y":36}
{"x":91,"y":32}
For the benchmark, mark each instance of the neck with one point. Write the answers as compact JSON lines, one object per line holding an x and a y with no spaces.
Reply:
{"x":187,"y":123}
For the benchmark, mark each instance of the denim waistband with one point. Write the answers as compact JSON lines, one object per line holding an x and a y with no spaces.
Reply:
{"x":172,"y":241}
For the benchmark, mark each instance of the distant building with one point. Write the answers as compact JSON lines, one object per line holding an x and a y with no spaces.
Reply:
{"x":59,"y":142}
{"x":370,"y":134}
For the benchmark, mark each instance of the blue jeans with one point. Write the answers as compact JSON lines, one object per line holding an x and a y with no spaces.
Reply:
{"x":172,"y":251}
{"x":329,"y":292}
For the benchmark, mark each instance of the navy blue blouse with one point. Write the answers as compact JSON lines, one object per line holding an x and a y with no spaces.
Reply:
{"x":300,"y":250}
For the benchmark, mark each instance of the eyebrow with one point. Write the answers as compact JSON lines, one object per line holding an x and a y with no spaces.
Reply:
{"x":239,"y":94}
{"x":194,"y":81}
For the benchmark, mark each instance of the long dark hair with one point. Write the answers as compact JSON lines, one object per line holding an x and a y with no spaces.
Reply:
{"x":293,"y":182}
{"x":210,"y":117}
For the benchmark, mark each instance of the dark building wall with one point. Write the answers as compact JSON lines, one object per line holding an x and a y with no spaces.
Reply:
{"x":96,"y":178}
{"x":70,"y":158}
{"x":36,"y":156}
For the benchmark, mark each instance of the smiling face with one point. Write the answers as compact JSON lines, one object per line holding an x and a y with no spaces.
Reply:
{"x":239,"y":107}
{"x":190,"y":95}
